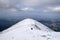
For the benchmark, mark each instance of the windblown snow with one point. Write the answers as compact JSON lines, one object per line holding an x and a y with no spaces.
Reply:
{"x":29,"y":29}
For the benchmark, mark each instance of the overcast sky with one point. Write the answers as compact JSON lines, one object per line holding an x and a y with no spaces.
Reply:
{"x":16,"y":6}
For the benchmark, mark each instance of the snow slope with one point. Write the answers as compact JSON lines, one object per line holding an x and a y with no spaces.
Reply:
{"x":29,"y":23}
{"x":29,"y":29}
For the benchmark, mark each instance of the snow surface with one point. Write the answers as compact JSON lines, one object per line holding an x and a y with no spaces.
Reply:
{"x":29,"y":23}
{"x":29,"y":29}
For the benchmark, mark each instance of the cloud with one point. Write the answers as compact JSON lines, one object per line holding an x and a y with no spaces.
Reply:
{"x":52,"y":9}
{"x":6,"y":5}
{"x":11,"y":5}
{"x":27,"y":9}
{"x":35,"y":2}
{"x":56,"y":9}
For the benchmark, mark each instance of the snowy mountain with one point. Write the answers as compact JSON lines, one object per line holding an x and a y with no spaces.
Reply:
{"x":29,"y":23}
{"x":29,"y":29}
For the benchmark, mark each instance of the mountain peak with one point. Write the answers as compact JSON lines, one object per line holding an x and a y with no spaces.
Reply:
{"x":28,"y":19}
{"x":29,"y":23}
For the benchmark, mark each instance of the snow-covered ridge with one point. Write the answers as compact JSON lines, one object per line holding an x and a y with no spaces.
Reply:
{"x":33,"y":24}
{"x":29,"y":29}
